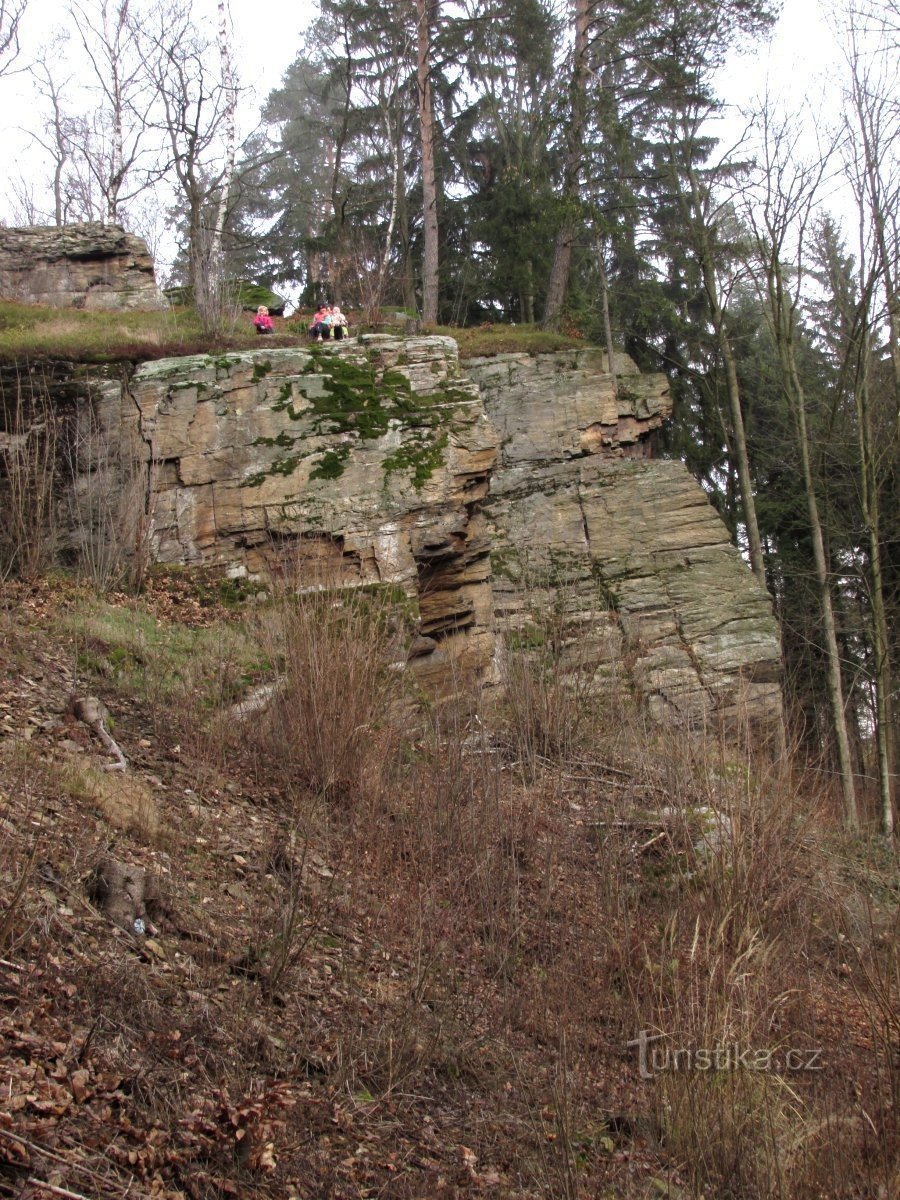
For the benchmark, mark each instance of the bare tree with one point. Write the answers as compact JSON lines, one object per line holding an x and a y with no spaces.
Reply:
{"x":872,"y":166}
{"x":111,"y":142}
{"x":780,"y":216}
{"x":11,"y":13}
{"x":194,"y":106}
{"x":57,"y":128}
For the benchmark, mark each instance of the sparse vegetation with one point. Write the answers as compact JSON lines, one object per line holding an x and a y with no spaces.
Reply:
{"x":488,"y":339}
{"x":385,"y":955}
{"x":29,"y":332}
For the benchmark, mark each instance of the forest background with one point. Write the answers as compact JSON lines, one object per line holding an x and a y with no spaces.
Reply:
{"x":573,"y":165}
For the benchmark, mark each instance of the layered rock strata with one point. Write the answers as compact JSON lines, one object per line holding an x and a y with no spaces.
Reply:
{"x":375,"y":462}
{"x":363,"y":462}
{"x":88,"y":265}
{"x":624,"y":551}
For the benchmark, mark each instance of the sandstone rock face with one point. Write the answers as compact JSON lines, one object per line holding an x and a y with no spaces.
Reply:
{"x":492,"y":499}
{"x":364,"y":462}
{"x":626,"y":550}
{"x":89,"y":266}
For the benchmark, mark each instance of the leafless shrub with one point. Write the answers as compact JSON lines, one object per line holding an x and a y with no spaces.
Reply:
{"x":28,"y":456}
{"x":111,"y":499}
{"x":329,"y":726}
{"x":302,"y":887}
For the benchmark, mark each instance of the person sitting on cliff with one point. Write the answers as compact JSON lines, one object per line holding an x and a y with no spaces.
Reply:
{"x":262,"y":320}
{"x":321,"y":324}
{"x":339,"y":323}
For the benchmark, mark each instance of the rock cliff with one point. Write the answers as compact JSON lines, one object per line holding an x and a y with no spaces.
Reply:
{"x":490,"y":497}
{"x":626,"y":549}
{"x":363,"y":462}
{"x":89,"y":265}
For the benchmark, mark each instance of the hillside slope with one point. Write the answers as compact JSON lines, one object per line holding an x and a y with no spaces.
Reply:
{"x":394,"y":952}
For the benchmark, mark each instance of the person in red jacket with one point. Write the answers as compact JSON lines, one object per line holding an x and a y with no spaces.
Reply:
{"x":262,"y":320}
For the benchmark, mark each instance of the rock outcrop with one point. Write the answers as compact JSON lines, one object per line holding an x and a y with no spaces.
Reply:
{"x":488,"y":498}
{"x":627,"y":550}
{"x":90,"y":266}
{"x":363,"y":462}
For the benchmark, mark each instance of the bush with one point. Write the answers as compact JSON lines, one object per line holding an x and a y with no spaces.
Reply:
{"x":327,"y":724}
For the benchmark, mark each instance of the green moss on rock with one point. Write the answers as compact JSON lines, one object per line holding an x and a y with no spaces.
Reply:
{"x":331,"y":464}
{"x":420,"y":458}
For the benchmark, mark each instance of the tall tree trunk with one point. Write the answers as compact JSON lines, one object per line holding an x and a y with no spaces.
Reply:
{"x":526,"y":294}
{"x":230,"y":88}
{"x":717,"y":314}
{"x":558,"y":285}
{"x":426,"y":15}
{"x":604,"y":300}
{"x":869,"y":496}
{"x":782,"y":319}
{"x":407,"y":270}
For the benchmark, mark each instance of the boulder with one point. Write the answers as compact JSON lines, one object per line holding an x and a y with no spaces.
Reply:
{"x":89,"y":265}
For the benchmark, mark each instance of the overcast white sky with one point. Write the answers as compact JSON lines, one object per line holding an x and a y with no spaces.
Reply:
{"x":798,"y":64}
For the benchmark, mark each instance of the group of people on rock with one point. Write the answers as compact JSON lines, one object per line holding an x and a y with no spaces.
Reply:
{"x":329,"y":322}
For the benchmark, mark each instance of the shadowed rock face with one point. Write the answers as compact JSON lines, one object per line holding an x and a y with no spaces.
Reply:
{"x":89,"y":266}
{"x":626,"y":549}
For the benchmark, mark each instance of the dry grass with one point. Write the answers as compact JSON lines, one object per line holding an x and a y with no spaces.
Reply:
{"x":29,"y":436}
{"x":326,"y":726}
{"x":429,"y":953}
{"x":31,"y":331}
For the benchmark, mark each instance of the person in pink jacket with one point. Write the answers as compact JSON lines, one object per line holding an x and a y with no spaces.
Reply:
{"x":262,"y":320}
{"x":320,"y":326}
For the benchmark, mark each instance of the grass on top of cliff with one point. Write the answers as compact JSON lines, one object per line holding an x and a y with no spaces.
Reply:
{"x":38,"y":331}
{"x":484,"y":341}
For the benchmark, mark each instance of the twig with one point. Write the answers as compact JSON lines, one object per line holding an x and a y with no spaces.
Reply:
{"x":604,"y":767}
{"x":653,"y":841}
{"x":11,"y":966}
{"x":80,"y":1057}
{"x":93,"y":713}
{"x":607,"y":783}
{"x":42,"y":1150}
{"x":57,"y":1191}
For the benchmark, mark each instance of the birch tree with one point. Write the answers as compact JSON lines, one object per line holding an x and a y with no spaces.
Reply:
{"x":193,"y":102}
{"x":110,"y":144}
